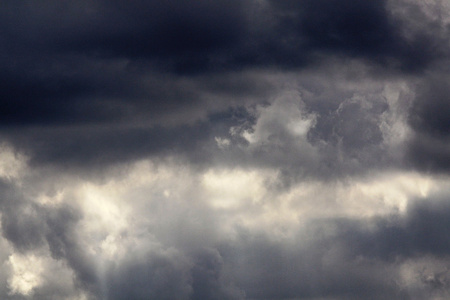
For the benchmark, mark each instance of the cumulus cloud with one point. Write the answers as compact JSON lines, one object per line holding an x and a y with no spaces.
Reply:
{"x":168,"y":231}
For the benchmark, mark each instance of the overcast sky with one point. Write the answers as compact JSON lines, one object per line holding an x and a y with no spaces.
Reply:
{"x":225,"y":149}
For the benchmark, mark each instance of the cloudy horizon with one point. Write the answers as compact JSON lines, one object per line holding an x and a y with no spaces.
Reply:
{"x":226,"y":149}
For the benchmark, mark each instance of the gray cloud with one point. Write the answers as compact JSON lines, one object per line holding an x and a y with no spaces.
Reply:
{"x":75,"y":70}
{"x":346,"y":259}
{"x":428,"y":116}
{"x":250,"y":149}
{"x":180,"y":247}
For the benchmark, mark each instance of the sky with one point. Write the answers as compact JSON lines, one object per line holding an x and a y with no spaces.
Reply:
{"x":225,"y":149}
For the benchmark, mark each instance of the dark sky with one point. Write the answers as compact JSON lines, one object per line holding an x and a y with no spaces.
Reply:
{"x":225,"y":149}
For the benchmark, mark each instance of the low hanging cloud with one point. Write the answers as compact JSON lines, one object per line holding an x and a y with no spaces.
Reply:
{"x":152,"y":233}
{"x":248,"y":149}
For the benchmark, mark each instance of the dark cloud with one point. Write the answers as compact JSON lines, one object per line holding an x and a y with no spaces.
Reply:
{"x":419,"y":234}
{"x":80,"y":148}
{"x":346,"y":258}
{"x":183,"y":36}
{"x":322,"y":94}
{"x":207,"y":278}
{"x":225,"y":35}
{"x":269,"y":270}
{"x":429,"y":154}
{"x":170,"y":274}
{"x":158,"y":275}
{"x":428,"y":117}
{"x":361,"y":29}
{"x":96,"y":63}
{"x":430,"y":110}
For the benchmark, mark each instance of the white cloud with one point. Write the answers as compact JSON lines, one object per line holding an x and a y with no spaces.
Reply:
{"x":283,"y":116}
{"x":26,"y":273}
{"x":12,"y":164}
{"x":222,"y":143}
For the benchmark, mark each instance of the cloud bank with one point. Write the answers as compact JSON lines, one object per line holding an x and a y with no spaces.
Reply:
{"x":248,"y":149}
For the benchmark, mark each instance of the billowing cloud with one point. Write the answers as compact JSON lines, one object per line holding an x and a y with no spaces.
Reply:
{"x":244,"y":149}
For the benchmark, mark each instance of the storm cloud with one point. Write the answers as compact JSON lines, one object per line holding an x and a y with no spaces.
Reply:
{"x":240,"y":149}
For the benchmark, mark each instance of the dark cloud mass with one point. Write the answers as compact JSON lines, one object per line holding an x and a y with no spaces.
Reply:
{"x":239,"y":149}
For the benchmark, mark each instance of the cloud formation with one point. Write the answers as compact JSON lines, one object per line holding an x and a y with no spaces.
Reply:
{"x":243,"y":149}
